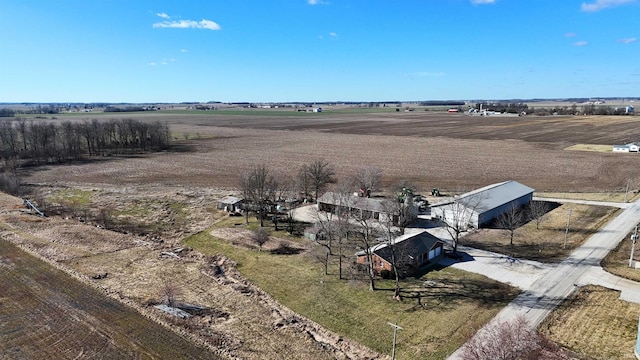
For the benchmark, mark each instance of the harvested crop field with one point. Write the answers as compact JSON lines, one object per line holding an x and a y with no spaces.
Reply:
{"x":45,"y":313}
{"x":451,"y":152}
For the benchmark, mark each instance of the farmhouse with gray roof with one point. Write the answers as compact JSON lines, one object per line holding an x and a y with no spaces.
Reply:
{"x":412,"y":252}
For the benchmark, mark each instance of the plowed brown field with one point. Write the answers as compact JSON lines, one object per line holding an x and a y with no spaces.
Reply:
{"x":451,"y":152}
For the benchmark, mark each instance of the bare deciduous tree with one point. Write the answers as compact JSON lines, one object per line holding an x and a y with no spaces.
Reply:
{"x":538,"y":212}
{"x":367,"y":180}
{"x":169,"y":292}
{"x":366,"y":237}
{"x":333,"y":226}
{"x":320,"y":173}
{"x":457,"y":216}
{"x":510,"y":340}
{"x":323,"y":257}
{"x":259,"y":187}
{"x":260,"y":237}
{"x":510,"y":220}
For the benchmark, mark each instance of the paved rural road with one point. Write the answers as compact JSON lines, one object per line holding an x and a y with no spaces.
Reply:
{"x":558,"y":283}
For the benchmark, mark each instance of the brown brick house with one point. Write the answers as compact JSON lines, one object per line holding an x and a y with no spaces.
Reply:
{"x":412,"y":252}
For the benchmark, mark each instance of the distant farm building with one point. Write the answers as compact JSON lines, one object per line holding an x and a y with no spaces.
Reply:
{"x":621,"y":148}
{"x":452,"y":111}
{"x":230,"y":203}
{"x":412,"y":252}
{"x":481,"y":206}
{"x":626,"y":110}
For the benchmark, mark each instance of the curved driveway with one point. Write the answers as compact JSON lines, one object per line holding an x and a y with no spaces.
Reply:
{"x":580,"y":268}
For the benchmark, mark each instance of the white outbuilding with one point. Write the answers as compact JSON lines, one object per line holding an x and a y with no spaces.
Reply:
{"x":481,"y":206}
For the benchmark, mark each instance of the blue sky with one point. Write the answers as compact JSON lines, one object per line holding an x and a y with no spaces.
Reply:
{"x":317,"y":50}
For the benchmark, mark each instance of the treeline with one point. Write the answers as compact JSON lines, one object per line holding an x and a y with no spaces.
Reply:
{"x":42,"y":142}
{"x":590,"y":109}
{"x":509,"y":108}
{"x":129,"y":108}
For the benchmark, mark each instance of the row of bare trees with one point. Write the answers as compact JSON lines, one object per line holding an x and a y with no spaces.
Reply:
{"x":261,"y":187}
{"x":459,"y":213}
{"x":48,"y":142}
{"x":342,"y":228}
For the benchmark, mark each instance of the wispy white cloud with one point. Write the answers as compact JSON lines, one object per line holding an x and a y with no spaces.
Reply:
{"x":184,"y":50}
{"x":482,"y":2}
{"x":425,"y":74}
{"x":570,"y":35}
{"x":627,"y":40}
{"x":152,"y":64}
{"x":163,"y":15}
{"x":580,"y":43}
{"x":598,"y":5}
{"x":317,"y":2}
{"x":333,"y":35}
{"x":186,"y":24}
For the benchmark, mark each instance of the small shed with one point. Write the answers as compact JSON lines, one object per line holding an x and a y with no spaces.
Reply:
{"x":230,"y":203}
{"x":412,"y":252}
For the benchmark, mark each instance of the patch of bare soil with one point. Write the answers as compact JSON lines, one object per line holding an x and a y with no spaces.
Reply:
{"x":241,"y":320}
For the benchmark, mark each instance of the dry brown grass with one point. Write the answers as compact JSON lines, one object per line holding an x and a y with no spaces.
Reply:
{"x":590,"y":147}
{"x":617,"y":261}
{"x":595,"y":323}
{"x":601,"y":196}
{"x":545,"y":244}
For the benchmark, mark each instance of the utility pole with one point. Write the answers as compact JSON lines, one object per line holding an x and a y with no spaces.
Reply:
{"x":395,"y":331}
{"x":634,"y":237}
{"x":566,"y":232}
{"x":626,"y":191}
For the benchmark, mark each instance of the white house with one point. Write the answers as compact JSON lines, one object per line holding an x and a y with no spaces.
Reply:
{"x":621,"y":148}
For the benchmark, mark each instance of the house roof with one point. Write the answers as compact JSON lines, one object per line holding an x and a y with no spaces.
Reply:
{"x":357,"y":202}
{"x":405,"y":246}
{"x":494,"y":195}
{"x":230,"y":200}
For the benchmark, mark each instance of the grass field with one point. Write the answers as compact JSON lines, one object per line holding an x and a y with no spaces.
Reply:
{"x":453,"y":309}
{"x":595,"y":323}
{"x":45,"y":313}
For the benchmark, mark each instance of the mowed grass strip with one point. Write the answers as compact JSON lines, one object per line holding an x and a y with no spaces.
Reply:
{"x":45,"y":313}
{"x":590,"y":147}
{"x":452,"y":308}
{"x":595,"y":323}
{"x":545,"y":244}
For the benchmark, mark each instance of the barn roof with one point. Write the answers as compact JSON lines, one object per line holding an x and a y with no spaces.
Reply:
{"x":230,"y":200}
{"x":356,"y":202}
{"x":408,"y":245}
{"x":494,"y":195}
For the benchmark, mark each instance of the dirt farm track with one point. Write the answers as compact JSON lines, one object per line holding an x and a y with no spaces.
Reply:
{"x":452,"y":152}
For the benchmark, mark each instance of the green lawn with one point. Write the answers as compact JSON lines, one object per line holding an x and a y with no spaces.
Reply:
{"x":453,"y":307}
